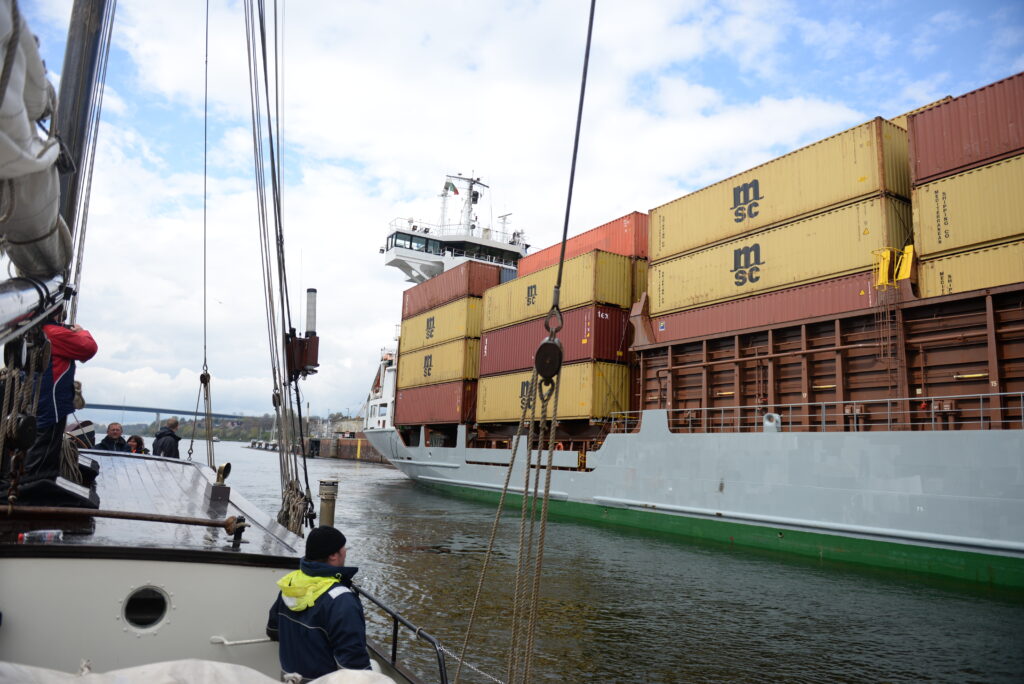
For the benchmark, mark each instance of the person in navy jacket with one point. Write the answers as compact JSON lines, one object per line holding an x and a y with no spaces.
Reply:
{"x":317,"y":617}
{"x":68,"y":344}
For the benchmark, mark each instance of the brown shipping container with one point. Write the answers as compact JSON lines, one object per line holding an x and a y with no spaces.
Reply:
{"x":626,"y":236}
{"x":465,"y":280}
{"x":835,"y":243}
{"x":451,"y":321}
{"x":827,"y":298}
{"x":593,"y":277}
{"x":973,"y":270}
{"x":902,"y":119}
{"x":858,"y":163}
{"x":458,"y":360}
{"x":976,"y":207}
{"x":587,"y":390}
{"x":589,"y":333}
{"x":972,"y":130}
{"x":450,"y":402}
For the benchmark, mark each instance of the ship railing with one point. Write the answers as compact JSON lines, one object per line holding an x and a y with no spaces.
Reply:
{"x":450,"y":229}
{"x":398,"y":621}
{"x":1004,"y":410}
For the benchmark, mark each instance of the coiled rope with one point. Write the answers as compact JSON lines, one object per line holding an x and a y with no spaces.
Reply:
{"x":544,"y":385}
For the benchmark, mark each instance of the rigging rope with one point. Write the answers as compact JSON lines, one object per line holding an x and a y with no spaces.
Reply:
{"x":544,"y":385}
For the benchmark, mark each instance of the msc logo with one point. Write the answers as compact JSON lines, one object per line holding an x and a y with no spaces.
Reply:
{"x":524,"y":394}
{"x":428,"y":365}
{"x":430,"y":327}
{"x":531,"y":295}
{"x":746,"y":264}
{"x":745,"y":201}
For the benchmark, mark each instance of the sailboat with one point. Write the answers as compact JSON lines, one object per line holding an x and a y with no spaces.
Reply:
{"x":148,"y":559}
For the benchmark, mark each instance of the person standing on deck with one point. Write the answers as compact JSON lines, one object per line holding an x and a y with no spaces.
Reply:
{"x":166,"y":441}
{"x":114,"y":441}
{"x":68,"y":343}
{"x":317,"y":617}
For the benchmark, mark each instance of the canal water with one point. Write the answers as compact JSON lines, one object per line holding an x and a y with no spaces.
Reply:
{"x":622,"y":605}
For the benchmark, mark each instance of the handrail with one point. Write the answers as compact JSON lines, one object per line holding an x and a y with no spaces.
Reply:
{"x":396,"y":620}
{"x":936,"y":412}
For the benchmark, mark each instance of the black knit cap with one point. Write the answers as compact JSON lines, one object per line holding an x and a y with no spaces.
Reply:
{"x":322,"y":542}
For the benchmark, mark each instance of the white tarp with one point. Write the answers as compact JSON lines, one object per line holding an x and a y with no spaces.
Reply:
{"x":175,"y":672}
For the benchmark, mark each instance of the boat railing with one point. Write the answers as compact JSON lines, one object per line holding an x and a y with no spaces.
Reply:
{"x":454,"y":229}
{"x":397,"y":621}
{"x":994,"y":411}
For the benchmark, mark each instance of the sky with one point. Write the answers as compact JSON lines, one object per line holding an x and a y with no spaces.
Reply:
{"x":380,"y":100}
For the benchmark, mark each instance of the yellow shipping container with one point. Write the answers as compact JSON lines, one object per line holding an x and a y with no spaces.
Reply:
{"x":596,"y":276}
{"x":857,"y":163}
{"x":901,"y":120}
{"x":453,"y":321}
{"x":588,"y":390}
{"x":831,"y":244}
{"x":973,"y":270}
{"x":980,"y":206}
{"x":639,"y":279}
{"x":458,"y":360}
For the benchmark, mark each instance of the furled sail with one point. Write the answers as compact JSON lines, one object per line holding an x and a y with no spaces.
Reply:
{"x":36,"y":239}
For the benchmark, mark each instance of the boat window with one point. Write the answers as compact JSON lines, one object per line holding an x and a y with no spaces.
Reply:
{"x":382,"y":410}
{"x":419,"y":243}
{"x":402,"y":241}
{"x":145,"y":607}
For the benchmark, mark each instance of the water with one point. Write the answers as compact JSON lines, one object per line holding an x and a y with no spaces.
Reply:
{"x":622,"y":605}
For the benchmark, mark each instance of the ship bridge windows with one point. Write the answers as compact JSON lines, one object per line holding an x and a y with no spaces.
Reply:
{"x":417,"y":243}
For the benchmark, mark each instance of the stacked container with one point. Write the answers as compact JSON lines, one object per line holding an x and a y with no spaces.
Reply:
{"x":439,"y":346}
{"x":967,"y":167}
{"x":597,"y":291}
{"x":795,"y":237}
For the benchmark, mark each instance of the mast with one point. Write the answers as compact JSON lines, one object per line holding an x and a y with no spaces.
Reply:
{"x":78,"y":101}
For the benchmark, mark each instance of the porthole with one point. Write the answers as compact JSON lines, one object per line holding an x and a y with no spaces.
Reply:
{"x":146,"y":607}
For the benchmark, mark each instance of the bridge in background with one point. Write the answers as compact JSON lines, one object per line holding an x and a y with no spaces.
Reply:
{"x":158,"y":411}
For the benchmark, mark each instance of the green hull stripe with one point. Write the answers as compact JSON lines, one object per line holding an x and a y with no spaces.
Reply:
{"x":988,"y":569}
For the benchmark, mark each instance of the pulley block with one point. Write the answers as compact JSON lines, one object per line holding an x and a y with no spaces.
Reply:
{"x":548,"y":359}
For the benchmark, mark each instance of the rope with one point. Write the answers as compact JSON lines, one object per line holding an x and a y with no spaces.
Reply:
{"x":69,"y":461}
{"x":448,"y":652}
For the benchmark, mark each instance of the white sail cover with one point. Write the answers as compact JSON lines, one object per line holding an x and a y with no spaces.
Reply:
{"x":175,"y":672}
{"x":37,"y":240}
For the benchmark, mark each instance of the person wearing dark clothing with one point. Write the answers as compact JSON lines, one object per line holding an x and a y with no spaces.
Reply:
{"x":137,"y":445}
{"x":166,"y":441}
{"x":114,"y":441}
{"x":68,"y":343}
{"x":317,"y":617}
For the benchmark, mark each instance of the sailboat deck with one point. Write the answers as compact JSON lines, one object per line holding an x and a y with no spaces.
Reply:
{"x":155,"y":486}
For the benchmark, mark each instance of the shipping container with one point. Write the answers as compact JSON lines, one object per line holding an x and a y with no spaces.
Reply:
{"x":595,"y":277}
{"x":975,"y":129}
{"x":626,"y":236}
{"x":826,"y":298}
{"x":903,"y":119}
{"x":587,"y":390}
{"x":641,"y":269}
{"x":976,"y":207}
{"x":458,"y":360}
{"x":449,"y":402}
{"x":838,"y":242}
{"x":590,"y":333}
{"x":861,"y":162}
{"x":972,"y":270}
{"x":469,"y":279}
{"x":453,"y":321}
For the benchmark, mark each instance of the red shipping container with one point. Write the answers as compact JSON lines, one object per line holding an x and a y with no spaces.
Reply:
{"x":589,"y":333}
{"x":449,"y":402}
{"x":827,"y":298}
{"x":969,"y":131}
{"x":468,"y":279}
{"x":626,"y":236}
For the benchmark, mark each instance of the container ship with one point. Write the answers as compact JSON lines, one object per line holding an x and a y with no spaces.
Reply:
{"x":822,"y":355}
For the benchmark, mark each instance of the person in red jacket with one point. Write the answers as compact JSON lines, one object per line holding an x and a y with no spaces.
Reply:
{"x":68,"y":343}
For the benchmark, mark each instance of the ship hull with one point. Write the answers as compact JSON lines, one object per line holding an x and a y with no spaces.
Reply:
{"x":942,"y":503}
